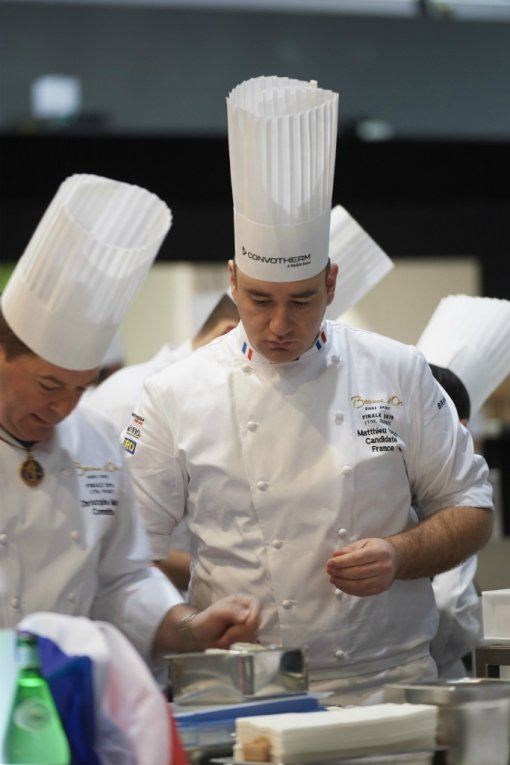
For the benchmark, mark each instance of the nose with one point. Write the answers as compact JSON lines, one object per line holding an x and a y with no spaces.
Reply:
{"x":63,"y":405}
{"x":281,"y":321}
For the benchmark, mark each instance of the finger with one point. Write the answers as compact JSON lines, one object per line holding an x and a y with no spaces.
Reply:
{"x":235,"y":634}
{"x":246,"y":604}
{"x":354,"y":558}
{"x":241,"y":614}
{"x":356,"y":561}
{"x":360,"y":589}
{"x":353,"y":573}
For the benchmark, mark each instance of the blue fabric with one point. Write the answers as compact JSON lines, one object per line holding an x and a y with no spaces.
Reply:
{"x":72,"y":685}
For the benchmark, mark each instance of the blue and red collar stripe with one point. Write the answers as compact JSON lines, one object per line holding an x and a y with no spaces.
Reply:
{"x":321,"y":340}
{"x":248,"y":352}
{"x":319,"y":343}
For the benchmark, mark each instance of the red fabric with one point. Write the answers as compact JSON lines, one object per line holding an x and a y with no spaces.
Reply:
{"x":177,"y":754}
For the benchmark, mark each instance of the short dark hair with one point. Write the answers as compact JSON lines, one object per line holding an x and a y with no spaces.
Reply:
{"x":455,"y":388}
{"x":10,"y":342}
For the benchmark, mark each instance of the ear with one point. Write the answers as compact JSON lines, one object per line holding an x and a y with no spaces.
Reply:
{"x":226,"y":326}
{"x":232,"y":279}
{"x":331,"y":283}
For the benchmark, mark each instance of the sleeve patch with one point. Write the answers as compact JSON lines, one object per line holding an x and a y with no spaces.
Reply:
{"x":129,"y":445}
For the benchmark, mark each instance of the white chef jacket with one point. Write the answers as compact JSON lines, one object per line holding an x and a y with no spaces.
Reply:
{"x":459,"y":618}
{"x":277,"y":465}
{"x":75,"y":544}
{"x":115,"y":397}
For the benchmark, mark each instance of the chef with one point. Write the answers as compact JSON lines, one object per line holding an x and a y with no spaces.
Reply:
{"x":293,"y":445}
{"x":71,"y":539}
{"x":467,"y":343}
{"x":360,"y":260}
{"x":117,"y":395}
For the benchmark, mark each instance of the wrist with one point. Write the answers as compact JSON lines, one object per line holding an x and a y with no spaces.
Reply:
{"x":185,"y":631}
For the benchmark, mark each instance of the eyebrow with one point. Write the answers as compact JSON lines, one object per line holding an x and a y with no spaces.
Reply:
{"x":260,"y":293}
{"x":304,"y":293}
{"x":50,"y":378}
{"x":56,"y":381}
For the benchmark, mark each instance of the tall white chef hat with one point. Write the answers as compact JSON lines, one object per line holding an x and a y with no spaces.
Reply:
{"x":471,"y":337}
{"x":282,"y":137}
{"x":115,"y":351}
{"x":362,"y":263}
{"x":82,"y":267}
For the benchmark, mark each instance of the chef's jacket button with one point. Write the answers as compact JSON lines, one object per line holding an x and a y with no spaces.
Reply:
{"x":3,"y":538}
{"x":335,"y":358}
{"x":252,"y":425}
{"x":346,"y":470}
{"x":71,"y":597}
{"x":339,"y":594}
{"x":342,"y":533}
{"x":277,"y":544}
{"x":15,"y":602}
{"x":75,"y":536}
{"x":339,"y":654}
{"x":339,"y":417}
{"x":262,"y":485}
{"x":287,"y":603}
{"x":246,"y":368}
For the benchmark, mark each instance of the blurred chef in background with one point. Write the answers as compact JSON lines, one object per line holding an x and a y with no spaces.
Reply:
{"x":116,"y":396}
{"x":301,"y":492}
{"x":361,"y":262}
{"x":467,"y":343}
{"x":71,"y":532}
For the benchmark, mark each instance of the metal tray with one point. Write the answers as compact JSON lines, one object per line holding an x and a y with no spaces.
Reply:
{"x":449,"y":692}
{"x":238,"y":675}
{"x":473,"y":716}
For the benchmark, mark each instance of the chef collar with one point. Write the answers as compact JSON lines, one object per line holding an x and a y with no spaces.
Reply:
{"x":253,"y":356}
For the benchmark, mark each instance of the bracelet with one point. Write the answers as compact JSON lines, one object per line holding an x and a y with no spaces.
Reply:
{"x":183,"y":626}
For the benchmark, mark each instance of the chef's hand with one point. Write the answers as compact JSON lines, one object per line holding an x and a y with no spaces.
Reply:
{"x":364,"y":567}
{"x":233,"y":619}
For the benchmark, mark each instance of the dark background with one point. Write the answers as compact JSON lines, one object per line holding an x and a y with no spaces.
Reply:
{"x":416,"y":198}
{"x":154,"y":78}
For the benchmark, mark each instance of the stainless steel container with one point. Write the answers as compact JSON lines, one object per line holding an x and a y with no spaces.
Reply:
{"x":237,"y":675}
{"x":473,"y":717}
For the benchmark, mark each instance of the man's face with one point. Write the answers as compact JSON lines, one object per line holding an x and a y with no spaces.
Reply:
{"x":282,"y":319}
{"x":35,"y":395}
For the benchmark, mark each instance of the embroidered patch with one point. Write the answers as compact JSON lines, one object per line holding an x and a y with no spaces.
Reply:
{"x":321,"y":340}
{"x":248,"y":352}
{"x":129,"y":445}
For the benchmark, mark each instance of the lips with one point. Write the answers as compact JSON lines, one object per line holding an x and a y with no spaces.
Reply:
{"x":279,"y":346}
{"x":41,"y":421}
